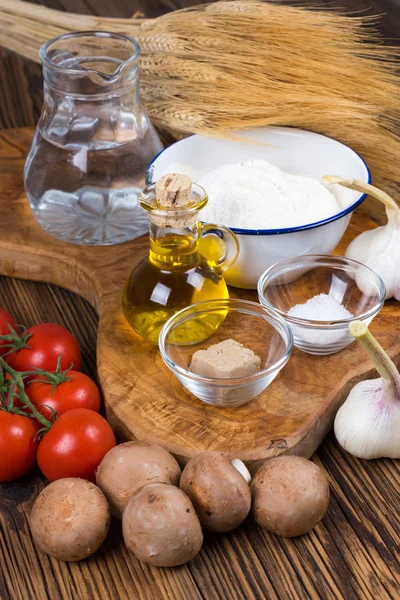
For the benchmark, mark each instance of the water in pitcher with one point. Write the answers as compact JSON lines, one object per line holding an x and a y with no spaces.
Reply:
{"x":93,"y":143}
{"x":104,"y":210}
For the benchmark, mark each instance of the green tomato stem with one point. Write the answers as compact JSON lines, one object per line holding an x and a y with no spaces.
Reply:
{"x":53,"y":379}
{"x":382,"y":362}
{"x":16,"y":341}
{"x":19,"y":382}
{"x":7,"y":393}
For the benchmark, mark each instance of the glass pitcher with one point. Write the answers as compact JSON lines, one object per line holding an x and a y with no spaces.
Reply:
{"x":93,"y":143}
{"x":185,"y":265}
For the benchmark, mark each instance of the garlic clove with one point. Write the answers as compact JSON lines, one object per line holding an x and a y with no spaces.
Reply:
{"x":365,"y":426}
{"x":379,"y":248}
{"x":368,"y":423}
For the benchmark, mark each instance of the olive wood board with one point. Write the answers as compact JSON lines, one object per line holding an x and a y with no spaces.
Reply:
{"x":142,"y":397}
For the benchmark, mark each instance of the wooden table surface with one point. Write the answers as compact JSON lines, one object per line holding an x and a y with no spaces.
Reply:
{"x":353,"y":553}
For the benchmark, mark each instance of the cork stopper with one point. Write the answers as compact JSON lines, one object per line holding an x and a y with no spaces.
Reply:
{"x":174,"y":194}
{"x":174,"y":191}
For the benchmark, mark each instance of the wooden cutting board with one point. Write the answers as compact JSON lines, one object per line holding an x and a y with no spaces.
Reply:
{"x":142,"y":398}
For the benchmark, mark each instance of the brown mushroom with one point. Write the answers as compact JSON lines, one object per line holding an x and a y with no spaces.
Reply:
{"x":219,"y":491}
{"x":70,"y":519}
{"x":160,"y":526}
{"x":290,"y":495}
{"x":129,"y":466}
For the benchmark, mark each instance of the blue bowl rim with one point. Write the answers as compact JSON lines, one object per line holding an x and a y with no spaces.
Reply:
{"x":238,"y":231}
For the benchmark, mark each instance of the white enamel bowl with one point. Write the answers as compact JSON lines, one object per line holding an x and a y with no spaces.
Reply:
{"x":293,"y":150}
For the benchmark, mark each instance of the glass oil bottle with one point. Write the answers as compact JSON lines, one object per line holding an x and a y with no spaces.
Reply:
{"x":185,"y":264}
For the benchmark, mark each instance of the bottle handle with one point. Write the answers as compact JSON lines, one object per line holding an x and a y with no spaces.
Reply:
{"x":222,"y":253}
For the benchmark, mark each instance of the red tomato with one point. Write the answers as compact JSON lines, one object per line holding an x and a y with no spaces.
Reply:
{"x":5,"y":320}
{"x":17,"y":445}
{"x":75,"y":445}
{"x":46,"y":343}
{"x":79,"y":392}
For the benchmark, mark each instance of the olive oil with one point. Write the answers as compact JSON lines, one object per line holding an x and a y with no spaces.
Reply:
{"x":174,"y":276}
{"x":182,"y":268}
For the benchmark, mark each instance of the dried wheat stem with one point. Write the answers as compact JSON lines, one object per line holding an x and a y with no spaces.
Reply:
{"x":55,"y":17}
{"x":236,"y":64}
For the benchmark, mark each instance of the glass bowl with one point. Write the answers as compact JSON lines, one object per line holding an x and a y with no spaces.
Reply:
{"x":347,"y":290}
{"x":214,"y":321}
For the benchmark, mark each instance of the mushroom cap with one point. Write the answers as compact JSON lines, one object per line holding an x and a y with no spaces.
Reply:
{"x":220,"y":494}
{"x":70,"y":519}
{"x":160,"y":526}
{"x":129,"y":466}
{"x":290,"y":495}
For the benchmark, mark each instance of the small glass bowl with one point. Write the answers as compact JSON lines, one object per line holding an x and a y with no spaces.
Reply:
{"x":294,"y":281}
{"x":248,"y":323}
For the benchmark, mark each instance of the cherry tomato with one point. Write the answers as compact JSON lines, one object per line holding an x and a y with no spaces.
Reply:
{"x":79,"y":392}
{"x":5,"y":320}
{"x":75,"y":445}
{"x":46,"y":342}
{"x":17,"y":445}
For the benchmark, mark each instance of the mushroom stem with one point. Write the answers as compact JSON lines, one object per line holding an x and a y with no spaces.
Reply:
{"x":242,"y":469}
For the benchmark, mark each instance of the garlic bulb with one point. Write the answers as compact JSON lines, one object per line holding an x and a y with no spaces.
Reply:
{"x":378,"y":248}
{"x":368,"y":423}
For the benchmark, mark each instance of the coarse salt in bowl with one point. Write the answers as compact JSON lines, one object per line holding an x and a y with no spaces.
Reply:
{"x":294,"y":151}
{"x":319,"y":296}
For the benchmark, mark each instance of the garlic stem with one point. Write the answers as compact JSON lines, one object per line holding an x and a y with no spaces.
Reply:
{"x":361,"y":186}
{"x":383,"y":364}
{"x":241,"y":467}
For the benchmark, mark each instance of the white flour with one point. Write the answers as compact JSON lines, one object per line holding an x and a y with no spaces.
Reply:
{"x":257,"y":195}
{"x":323,"y":307}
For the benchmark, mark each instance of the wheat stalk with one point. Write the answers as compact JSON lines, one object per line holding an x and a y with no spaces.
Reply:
{"x":235,"y":64}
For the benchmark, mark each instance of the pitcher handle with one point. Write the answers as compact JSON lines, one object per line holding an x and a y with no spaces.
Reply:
{"x":222,"y":254}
